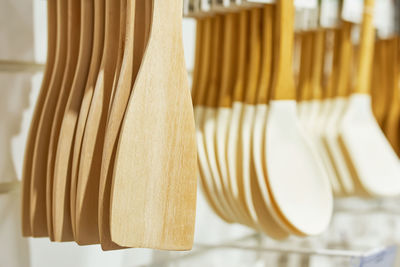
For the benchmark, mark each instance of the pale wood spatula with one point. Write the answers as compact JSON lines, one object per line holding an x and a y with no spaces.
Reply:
{"x":63,"y":159}
{"x":96,"y":57}
{"x":301,"y":194}
{"x":134,"y":49}
{"x":153,"y":199}
{"x":39,"y":162}
{"x":63,"y":232}
{"x":30,"y":145}
{"x":372,"y":158}
{"x":87,"y":192}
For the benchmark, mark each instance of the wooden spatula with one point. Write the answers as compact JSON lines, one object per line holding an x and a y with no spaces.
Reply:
{"x":134,"y":49}
{"x":153,"y":199}
{"x":30,"y":145}
{"x":372,"y":157}
{"x":87,"y":192}
{"x":96,"y":57}
{"x":39,"y":162}
{"x":63,"y":159}
{"x":301,"y":194}
{"x":74,"y":29}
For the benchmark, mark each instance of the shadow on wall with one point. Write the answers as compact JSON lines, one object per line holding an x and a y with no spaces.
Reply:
{"x":15,"y":91}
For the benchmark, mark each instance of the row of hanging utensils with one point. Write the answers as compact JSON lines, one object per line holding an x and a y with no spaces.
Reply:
{"x":282,"y":100}
{"x":111,"y":153}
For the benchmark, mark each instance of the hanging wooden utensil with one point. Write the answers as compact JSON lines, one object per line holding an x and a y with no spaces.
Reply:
{"x":301,"y":194}
{"x":30,"y":145}
{"x":153,"y":201}
{"x":38,"y":183}
{"x":87,"y":192}
{"x":372,"y":158}
{"x":96,"y":57}
{"x":73,"y":47}
{"x":62,"y":167}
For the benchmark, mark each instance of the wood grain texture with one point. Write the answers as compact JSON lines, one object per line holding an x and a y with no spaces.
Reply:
{"x":63,"y":160}
{"x":346,"y":56}
{"x":96,"y":58}
{"x":38,"y":184}
{"x":74,"y":24}
{"x":283,"y":83}
{"x":30,"y":144}
{"x":304,"y":88}
{"x":153,"y":201}
{"x":87,"y":192}
{"x":331,"y":85}
{"x":238,"y":90}
{"x":318,"y":65}
{"x":134,"y":49}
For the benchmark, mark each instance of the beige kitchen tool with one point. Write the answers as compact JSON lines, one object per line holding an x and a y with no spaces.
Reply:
{"x":30,"y":143}
{"x":338,"y":104}
{"x":96,"y":57}
{"x":372,"y":158}
{"x":153,"y":201}
{"x":135,"y":43}
{"x":208,"y":127}
{"x":258,"y":60}
{"x":39,"y":162}
{"x":62,"y":167}
{"x":87,"y":191}
{"x":233,"y":145}
{"x":73,"y":47}
{"x":296,"y":182}
{"x":204,"y":45}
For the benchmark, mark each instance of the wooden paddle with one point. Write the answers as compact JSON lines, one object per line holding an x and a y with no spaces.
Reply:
{"x":30,"y":143}
{"x":96,"y":58}
{"x":73,"y":46}
{"x":372,"y":158}
{"x":134,"y":49}
{"x":39,"y":162}
{"x":87,"y":192}
{"x":301,"y":195}
{"x":153,"y":201}
{"x":63,"y":160}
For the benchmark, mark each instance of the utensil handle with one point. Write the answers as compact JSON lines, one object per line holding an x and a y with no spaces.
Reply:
{"x":366,"y":49}
{"x":283,"y":85}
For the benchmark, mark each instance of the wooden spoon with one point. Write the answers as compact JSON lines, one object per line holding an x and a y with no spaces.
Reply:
{"x":338,"y":104}
{"x":96,"y":58}
{"x":372,"y":157}
{"x":208,"y":127}
{"x":30,"y":145}
{"x":87,"y":192}
{"x":135,"y":44}
{"x":73,"y":50}
{"x":199,"y":90}
{"x":153,"y":201}
{"x":39,"y":162}
{"x":63,"y":159}
{"x":296,"y":181}
{"x":224,"y":111}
